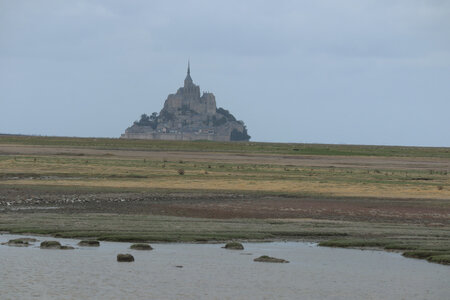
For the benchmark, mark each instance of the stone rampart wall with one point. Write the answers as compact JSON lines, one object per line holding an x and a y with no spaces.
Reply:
{"x":176,"y":136}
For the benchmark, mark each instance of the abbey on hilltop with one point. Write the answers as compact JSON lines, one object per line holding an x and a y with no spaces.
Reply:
{"x":188,"y":116}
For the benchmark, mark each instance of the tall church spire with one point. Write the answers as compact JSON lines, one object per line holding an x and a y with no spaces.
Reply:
{"x":188,"y":79}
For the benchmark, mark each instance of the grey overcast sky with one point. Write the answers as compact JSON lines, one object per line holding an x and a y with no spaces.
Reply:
{"x":347,"y":71}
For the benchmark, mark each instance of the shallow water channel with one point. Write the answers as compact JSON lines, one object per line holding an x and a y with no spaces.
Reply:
{"x":210,"y":272}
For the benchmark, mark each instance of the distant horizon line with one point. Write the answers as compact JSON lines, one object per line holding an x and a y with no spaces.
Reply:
{"x":268,"y":142}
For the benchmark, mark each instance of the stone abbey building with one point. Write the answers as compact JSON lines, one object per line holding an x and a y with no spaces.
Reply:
{"x":188,"y":116}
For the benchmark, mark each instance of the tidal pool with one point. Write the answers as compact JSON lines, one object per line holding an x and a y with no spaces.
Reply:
{"x":210,"y":272}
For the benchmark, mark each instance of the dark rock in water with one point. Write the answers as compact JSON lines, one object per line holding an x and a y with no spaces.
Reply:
{"x":179,"y":267}
{"x":22,"y":242}
{"x":50,"y":245}
{"x":141,"y":247}
{"x":234,"y":246}
{"x":266,"y":258}
{"x":125,"y":257}
{"x":89,"y":243}
{"x":66,"y":248}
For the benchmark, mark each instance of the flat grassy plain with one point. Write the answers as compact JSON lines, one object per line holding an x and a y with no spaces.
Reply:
{"x":396,"y":198}
{"x":237,"y":147}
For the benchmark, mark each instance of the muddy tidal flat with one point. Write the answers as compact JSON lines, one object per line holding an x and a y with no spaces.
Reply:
{"x":207,"y":271}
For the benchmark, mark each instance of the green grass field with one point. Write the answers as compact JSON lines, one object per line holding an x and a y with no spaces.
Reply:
{"x":238,"y":147}
{"x":142,"y":173}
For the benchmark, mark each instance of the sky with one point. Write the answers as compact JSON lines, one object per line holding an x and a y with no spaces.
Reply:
{"x":339,"y":72}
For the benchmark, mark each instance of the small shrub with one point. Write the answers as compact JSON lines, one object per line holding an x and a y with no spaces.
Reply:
{"x":400,"y":247}
{"x":440,"y":259}
{"x":125,"y":258}
{"x":89,"y":243}
{"x":269,"y":259}
{"x":440,"y":187}
{"x":180,"y":171}
{"x":234,"y":246}
{"x":420,"y":253}
{"x":21,"y":242}
{"x":66,"y":248}
{"x":352,"y":243}
{"x":50,"y":245}
{"x":141,"y":247}
{"x":17,"y":242}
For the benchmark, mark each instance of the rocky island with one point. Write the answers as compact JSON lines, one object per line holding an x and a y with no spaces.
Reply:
{"x":188,"y":116}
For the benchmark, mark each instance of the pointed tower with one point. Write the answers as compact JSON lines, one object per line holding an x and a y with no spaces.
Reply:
{"x":188,"y":80}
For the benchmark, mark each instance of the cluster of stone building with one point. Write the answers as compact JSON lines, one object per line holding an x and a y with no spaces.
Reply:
{"x":187,"y":115}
